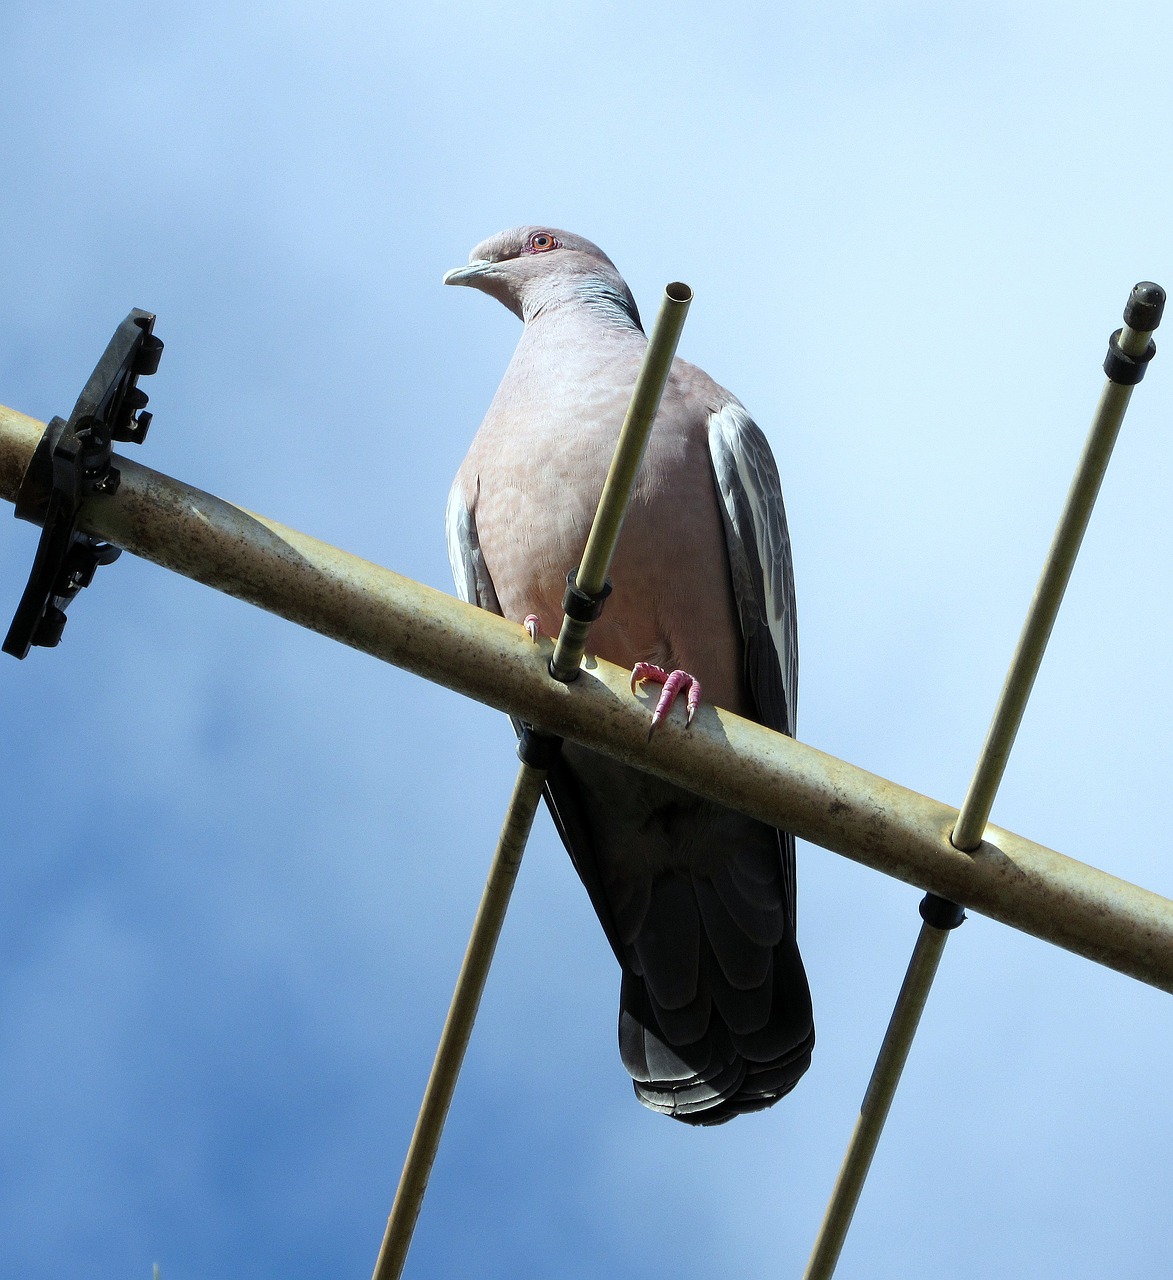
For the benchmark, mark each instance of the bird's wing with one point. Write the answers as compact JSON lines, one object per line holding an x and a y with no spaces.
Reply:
{"x":760,"y":561}
{"x":469,"y":572}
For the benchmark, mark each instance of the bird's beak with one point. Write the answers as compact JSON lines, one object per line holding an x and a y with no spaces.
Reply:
{"x":470,"y":274}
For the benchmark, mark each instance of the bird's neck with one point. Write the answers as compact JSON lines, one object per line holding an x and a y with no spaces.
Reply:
{"x":589,"y":302}
{"x":565,"y":348}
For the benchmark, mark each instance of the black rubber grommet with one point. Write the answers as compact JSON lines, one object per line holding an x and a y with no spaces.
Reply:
{"x":1124,"y":370}
{"x":537,"y":749}
{"x":578,"y":605}
{"x":1145,"y":306}
{"x":940,"y":912}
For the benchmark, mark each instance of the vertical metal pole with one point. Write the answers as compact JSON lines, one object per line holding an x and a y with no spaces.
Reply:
{"x":877,"y":1101}
{"x":537,"y":751}
{"x":1129,"y":351}
{"x":466,"y":999}
{"x":591,"y":576}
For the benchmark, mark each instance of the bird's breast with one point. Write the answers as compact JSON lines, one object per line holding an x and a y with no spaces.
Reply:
{"x":533,"y":478}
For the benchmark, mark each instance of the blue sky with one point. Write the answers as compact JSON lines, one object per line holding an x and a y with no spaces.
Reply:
{"x":241,"y":861}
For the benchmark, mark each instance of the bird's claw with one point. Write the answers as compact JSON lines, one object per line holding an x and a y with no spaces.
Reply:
{"x":673,"y":682}
{"x":533,"y":624}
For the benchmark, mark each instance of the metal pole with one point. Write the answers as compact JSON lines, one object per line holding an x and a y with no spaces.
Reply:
{"x":877,"y":1101}
{"x":1144,"y":308}
{"x":462,"y":1012}
{"x":735,"y":762}
{"x":591,"y":576}
{"x":537,"y":752}
{"x":1133,"y":344}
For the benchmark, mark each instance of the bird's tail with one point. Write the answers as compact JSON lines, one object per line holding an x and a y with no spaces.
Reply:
{"x":699,"y":905}
{"x":735,"y":1065}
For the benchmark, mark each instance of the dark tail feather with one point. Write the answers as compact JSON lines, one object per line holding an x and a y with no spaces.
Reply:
{"x":723,"y":1073}
{"x":698,"y":903}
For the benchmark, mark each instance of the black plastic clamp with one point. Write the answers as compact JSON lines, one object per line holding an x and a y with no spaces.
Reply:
{"x":580,"y":605}
{"x":940,"y":912}
{"x":536,"y":748}
{"x":1146,"y":304}
{"x":72,"y":462}
{"x":1123,"y":369}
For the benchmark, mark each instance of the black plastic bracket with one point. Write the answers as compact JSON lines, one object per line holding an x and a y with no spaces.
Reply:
{"x":1123,"y":369}
{"x":72,"y":462}
{"x":537,"y":749}
{"x":581,"y":606}
{"x":940,"y":912}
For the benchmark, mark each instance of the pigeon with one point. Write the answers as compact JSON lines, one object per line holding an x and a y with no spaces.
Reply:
{"x":697,"y":901}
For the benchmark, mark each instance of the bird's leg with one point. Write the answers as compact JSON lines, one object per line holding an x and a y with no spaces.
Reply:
{"x":673,"y":682}
{"x":533,"y":624}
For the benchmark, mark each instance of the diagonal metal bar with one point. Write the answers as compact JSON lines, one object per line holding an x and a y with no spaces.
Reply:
{"x":785,"y":783}
{"x":462,"y":1012}
{"x":910,"y":1004}
{"x":537,"y":751}
{"x":1130,"y":348}
{"x":1144,"y":309}
{"x":592,"y":573}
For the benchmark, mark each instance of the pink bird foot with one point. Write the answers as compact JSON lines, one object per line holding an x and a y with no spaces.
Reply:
{"x":533,"y":624}
{"x":673,"y":683}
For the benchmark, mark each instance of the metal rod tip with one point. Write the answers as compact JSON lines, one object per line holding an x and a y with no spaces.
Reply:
{"x":1145,"y":305}
{"x":678,"y":291}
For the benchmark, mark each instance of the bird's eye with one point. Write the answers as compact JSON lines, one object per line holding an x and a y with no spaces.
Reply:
{"x":540,"y":241}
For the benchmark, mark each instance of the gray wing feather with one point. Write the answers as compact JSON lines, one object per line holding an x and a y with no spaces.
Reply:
{"x":760,"y":560}
{"x":469,"y":573}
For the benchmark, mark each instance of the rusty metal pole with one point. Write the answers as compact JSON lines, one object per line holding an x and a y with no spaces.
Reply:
{"x":1129,"y":351}
{"x":739,"y":764}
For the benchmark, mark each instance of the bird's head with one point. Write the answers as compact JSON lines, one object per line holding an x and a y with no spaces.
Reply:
{"x":533,"y":269}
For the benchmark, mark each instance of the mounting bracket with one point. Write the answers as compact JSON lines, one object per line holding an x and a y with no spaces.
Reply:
{"x":73,"y":461}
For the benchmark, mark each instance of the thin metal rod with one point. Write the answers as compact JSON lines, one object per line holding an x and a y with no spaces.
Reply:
{"x":1040,"y":618}
{"x":975,"y":812}
{"x":910,"y":1003}
{"x":625,"y":464}
{"x":462,"y":1012}
{"x":740,"y":764}
{"x":474,"y":973}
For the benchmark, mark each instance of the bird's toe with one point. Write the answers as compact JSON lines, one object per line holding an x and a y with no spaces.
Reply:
{"x":674,"y":682}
